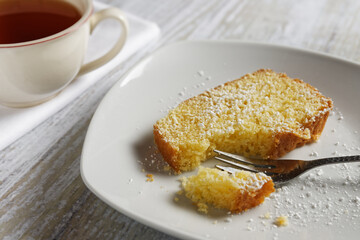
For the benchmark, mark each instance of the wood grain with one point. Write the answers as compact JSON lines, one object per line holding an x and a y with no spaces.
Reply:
{"x":42,"y":195}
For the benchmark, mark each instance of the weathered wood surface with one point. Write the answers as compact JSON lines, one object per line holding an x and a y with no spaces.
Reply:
{"x":42,"y":195}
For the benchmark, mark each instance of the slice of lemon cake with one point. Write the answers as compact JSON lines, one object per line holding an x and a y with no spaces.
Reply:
{"x":263,"y":114}
{"x":235,"y":192}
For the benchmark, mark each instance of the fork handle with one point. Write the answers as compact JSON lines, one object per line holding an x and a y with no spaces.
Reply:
{"x":332,"y":160}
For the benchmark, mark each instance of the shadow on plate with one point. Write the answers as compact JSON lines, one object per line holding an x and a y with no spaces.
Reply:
{"x":149,"y":158}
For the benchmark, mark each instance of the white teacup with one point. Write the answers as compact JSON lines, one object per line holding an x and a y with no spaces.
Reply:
{"x":35,"y":71}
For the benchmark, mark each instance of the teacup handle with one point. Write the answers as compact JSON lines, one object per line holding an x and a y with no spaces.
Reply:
{"x":96,"y":18}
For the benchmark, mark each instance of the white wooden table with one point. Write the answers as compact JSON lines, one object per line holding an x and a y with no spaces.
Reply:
{"x":42,"y":195}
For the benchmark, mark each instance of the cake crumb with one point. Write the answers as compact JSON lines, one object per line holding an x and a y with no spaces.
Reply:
{"x":202,"y":207}
{"x":176,"y":199}
{"x":150,"y":177}
{"x":281,"y":221}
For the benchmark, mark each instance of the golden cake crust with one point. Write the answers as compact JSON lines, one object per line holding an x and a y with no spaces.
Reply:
{"x":286,"y":142}
{"x":249,"y":200}
{"x":168,"y":152}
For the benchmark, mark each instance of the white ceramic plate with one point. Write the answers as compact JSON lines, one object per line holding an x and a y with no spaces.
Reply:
{"x":119,"y":150}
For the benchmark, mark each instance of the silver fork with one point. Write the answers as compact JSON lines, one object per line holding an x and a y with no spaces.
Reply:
{"x":281,"y":171}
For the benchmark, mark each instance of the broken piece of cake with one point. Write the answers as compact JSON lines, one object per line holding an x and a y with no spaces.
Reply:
{"x":236,"y":192}
{"x":264,"y":114}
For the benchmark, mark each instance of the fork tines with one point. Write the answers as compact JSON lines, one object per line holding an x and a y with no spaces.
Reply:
{"x":239,"y":162}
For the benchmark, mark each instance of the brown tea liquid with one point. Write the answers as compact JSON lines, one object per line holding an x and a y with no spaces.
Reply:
{"x":22,"y":21}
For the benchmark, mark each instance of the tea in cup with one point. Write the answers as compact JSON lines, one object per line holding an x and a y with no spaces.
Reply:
{"x":43,"y":45}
